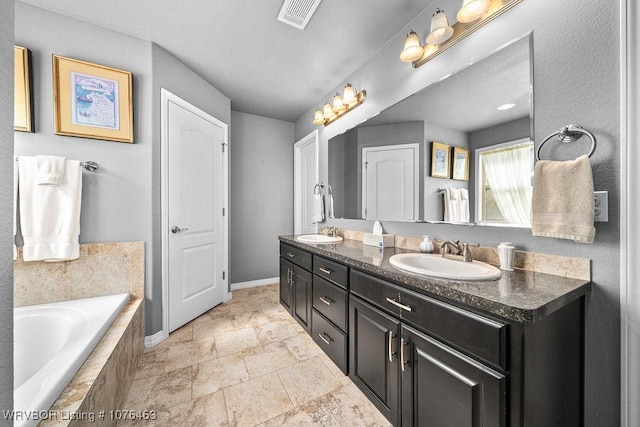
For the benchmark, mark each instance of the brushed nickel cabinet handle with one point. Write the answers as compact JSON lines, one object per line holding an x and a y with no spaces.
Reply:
{"x":402,"y":362}
{"x":325,"y":270}
{"x":326,"y":300}
{"x":293,"y":278}
{"x":324,"y":339}
{"x":397,"y":304}
{"x":389,"y":342}
{"x":290,"y":255}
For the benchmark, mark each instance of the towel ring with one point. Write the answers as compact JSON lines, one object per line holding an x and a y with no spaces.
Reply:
{"x":569,"y":133}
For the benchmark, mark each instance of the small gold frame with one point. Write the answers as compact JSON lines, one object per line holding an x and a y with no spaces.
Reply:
{"x":461,"y":30}
{"x":460,"y":164}
{"x":92,"y":101}
{"x":23,"y":93}
{"x":440,"y":160}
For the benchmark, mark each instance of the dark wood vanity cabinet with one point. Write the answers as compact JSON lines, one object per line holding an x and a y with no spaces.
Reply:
{"x":296,"y":284}
{"x":425,"y":361}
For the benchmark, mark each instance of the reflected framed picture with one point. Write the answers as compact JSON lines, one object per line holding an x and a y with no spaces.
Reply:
{"x":460,"y":164}
{"x":23,"y":94}
{"x":92,"y":101}
{"x":439,"y":160}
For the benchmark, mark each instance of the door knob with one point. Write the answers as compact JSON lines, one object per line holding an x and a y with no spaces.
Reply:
{"x":175,"y":229}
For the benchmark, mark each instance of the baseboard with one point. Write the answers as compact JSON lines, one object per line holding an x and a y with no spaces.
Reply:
{"x":155,"y":339}
{"x":254,"y":283}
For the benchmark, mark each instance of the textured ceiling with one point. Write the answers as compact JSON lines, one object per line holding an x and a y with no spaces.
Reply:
{"x":266,"y":67}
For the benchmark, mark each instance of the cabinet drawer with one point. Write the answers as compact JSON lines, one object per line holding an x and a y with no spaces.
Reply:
{"x":331,"y":301}
{"x":296,"y":256}
{"x":477,"y":335}
{"x":331,"y":340}
{"x":330,"y":270}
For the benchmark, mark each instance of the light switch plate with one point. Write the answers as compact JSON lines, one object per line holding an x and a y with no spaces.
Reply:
{"x":601,"y":202}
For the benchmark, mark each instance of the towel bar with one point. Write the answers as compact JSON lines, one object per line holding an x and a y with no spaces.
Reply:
{"x":88,"y":165}
{"x":569,"y":133}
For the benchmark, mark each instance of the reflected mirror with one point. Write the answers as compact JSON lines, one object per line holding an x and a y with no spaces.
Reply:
{"x":400,"y":165}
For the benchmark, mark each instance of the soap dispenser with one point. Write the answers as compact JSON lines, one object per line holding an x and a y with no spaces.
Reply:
{"x":426,"y":246}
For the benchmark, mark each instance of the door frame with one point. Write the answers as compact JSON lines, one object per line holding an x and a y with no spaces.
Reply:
{"x":311,"y":138}
{"x":167,"y":97}
{"x":629,"y":213}
{"x":416,"y":174}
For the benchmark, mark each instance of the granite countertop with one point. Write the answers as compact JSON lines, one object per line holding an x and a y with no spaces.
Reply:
{"x":523,"y":296}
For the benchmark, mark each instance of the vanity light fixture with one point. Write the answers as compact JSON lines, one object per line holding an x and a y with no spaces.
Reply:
{"x":441,"y":31}
{"x":472,"y":10}
{"x":341,"y":105}
{"x":472,"y":15}
{"x":507,"y":106}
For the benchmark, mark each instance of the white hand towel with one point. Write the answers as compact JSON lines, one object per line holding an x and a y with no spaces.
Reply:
{"x":562,"y":204}
{"x":50,"y":170}
{"x":15,"y":205}
{"x":454,"y":204}
{"x":463,"y":205}
{"x":50,"y":215}
{"x":318,"y":208}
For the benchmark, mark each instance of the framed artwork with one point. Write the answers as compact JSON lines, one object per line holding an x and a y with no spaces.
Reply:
{"x":92,"y":101}
{"x":460,"y":164}
{"x":23,"y":95}
{"x":439,"y":160}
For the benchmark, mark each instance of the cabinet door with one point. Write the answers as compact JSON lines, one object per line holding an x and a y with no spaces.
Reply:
{"x":302,"y":295}
{"x":286,"y":270}
{"x":373,"y":362}
{"x":444,"y":388}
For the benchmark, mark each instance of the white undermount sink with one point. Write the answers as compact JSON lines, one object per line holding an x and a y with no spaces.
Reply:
{"x":438,"y":266}
{"x":318,"y":238}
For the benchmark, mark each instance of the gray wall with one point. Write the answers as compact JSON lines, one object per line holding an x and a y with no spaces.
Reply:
{"x":576,"y":80}
{"x":6,"y":202}
{"x":173,"y":75}
{"x":261,"y":194}
{"x":116,"y":199}
{"x":121,"y":201}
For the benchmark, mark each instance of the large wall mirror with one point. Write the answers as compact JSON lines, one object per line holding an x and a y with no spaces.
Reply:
{"x":388,"y":167}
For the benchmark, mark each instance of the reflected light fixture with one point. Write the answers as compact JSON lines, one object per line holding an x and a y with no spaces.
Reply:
{"x":341,"y":105}
{"x":412,"y":48}
{"x":441,"y":31}
{"x":507,"y":106}
{"x":473,"y":10}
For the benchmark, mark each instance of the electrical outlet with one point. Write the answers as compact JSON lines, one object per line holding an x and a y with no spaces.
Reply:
{"x":601,"y":202}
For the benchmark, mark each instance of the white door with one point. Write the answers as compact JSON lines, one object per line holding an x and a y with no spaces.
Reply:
{"x":195,"y":233}
{"x":306,"y":177}
{"x":391,"y":171}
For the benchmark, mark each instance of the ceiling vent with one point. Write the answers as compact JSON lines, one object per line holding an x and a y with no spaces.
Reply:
{"x":297,"y":13}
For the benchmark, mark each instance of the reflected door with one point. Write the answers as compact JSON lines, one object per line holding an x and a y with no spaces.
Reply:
{"x":390,"y":182}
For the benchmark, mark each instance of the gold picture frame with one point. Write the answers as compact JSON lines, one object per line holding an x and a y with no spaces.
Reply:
{"x":92,"y":101}
{"x":23,"y":94}
{"x":439,"y":160}
{"x":460,"y":164}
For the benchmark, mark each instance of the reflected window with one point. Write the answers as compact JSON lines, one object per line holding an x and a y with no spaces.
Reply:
{"x":504,"y":178}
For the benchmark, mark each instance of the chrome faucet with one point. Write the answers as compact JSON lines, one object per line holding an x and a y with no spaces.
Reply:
{"x":454,"y":249}
{"x":329,"y":231}
{"x":449,"y":247}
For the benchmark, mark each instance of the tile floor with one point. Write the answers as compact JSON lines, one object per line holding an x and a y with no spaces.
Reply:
{"x":245,"y":363}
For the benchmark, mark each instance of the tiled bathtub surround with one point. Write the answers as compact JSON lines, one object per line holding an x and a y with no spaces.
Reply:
{"x":575,"y":268}
{"x":104,"y":379}
{"x":102,"y":269}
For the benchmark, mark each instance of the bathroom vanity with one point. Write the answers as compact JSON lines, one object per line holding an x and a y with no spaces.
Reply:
{"x":437,"y":352}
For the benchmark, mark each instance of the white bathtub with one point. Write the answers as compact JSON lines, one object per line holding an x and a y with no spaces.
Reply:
{"x":51,"y":342}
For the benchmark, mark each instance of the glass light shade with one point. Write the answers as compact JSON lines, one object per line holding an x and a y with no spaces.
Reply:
{"x":328,"y":111}
{"x":350,"y":97}
{"x":338,"y":104}
{"x":318,"y":118}
{"x":473,"y":10}
{"x":412,"y":48}
{"x":441,"y":31}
